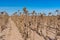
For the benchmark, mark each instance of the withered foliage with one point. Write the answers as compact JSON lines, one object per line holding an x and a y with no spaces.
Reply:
{"x":36,"y":23}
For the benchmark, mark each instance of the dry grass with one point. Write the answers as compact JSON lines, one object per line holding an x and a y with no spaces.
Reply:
{"x":3,"y":19}
{"x":38,"y":24}
{"x":34,"y":23}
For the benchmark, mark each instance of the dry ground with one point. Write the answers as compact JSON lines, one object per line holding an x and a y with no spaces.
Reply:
{"x":29,"y":27}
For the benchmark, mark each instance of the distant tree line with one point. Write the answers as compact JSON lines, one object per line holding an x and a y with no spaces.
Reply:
{"x":25,"y":12}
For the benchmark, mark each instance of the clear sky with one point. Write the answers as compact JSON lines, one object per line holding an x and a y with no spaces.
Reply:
{"x":39,"y":5}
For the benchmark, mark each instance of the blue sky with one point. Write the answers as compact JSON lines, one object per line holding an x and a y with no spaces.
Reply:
{"x":39,"y":5}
